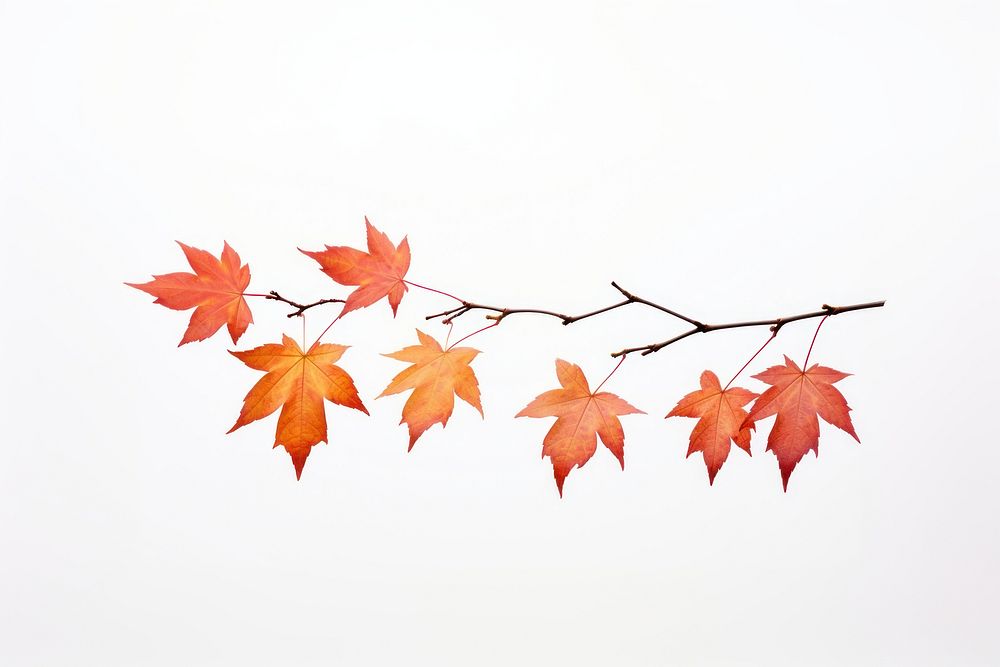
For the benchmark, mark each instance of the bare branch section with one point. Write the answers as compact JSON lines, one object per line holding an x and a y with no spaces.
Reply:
{"x":498,"y":314}
{"x":299,"y":307}
{"x":774,"y":325}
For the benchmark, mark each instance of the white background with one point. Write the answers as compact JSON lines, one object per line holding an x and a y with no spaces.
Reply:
{"x":731,"y":160}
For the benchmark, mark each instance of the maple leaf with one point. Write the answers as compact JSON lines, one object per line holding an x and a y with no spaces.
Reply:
{"x":214,"y":290}
{"x":297,"y":382}
{"x":436,"y":377}
{"x":377,"y":273}
{"x":720,"y":416}
{"x":797,"y":397}
{"x":581,"y":416}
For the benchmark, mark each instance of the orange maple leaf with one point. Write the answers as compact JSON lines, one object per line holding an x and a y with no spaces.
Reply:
{"x":720,"y":416}
{"x":214,"y":290}
{"x":581,"y":415}
{"x":436,"y":377}
{"x":797,"y":397}
{"x":377,"y":273}
{"x":297,"y":382}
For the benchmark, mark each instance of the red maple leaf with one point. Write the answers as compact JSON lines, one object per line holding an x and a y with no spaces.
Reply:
{"x":581,"y":416}
{"x":214,"y":290}
{"x":797,"y":397}
{"x":377,"y":273}
{"x":720,"y":416}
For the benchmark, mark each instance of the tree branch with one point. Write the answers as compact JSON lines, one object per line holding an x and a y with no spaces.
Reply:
{"x":300,"y":307}
{"x":498,"y":314}
{"x":468,"y":306}
{"x":775,"y":325}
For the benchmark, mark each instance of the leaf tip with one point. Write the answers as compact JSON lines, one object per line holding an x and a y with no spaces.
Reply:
{"x":299,"y":461}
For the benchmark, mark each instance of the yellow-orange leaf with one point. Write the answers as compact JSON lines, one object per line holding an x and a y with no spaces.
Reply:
{"x":581,"y":416}
{"x":720,"y":416}
{"x":297,"y":382}
{"x":214,"y":290}
{"x":377,"y":273}
{"x":436,"y":377}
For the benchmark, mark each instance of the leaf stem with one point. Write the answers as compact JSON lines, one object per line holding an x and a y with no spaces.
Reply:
{"x":451,"y":327}
{"x":774,"y":333}
{"x":809,"y":353}
{"x":488,"y":326}
{"x":436,"y":291}
{"x":323,"y":333}
{"x":613,"y":371}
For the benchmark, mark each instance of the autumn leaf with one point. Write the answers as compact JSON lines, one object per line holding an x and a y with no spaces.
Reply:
{"x":436,"y":377}
{"x":214,"y":290}
{"x":720,"y":416}
{"x":581,"y":416}
{"x":377,"y":273}
{"x":297,"y":382}
{"x":797,"y":397}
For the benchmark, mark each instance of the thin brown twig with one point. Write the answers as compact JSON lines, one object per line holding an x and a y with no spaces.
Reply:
{"x":498,"y":314}
{"x":300,"y":308}
{"x":775,"y":325}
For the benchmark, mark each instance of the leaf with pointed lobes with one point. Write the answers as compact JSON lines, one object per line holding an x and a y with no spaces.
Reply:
{"x":297,"y":382}
{"x":436,"y":377}
{"x":797,"y":397}
{"x":720,"y":416}
{"x":214,"y":290}
{"x":581,"y":416}
{"x":377,"y":273}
